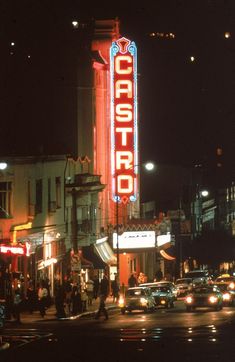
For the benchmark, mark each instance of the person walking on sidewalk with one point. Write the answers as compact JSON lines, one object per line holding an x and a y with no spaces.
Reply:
{"x":104,"y":287}
{"x":115,"y":290}
{"x":90,"y":291}
{"x":96,"y":286}
{"x":42,"y":299}
{"x":59,"y":301}
{"x":102,"y":308}
{"x":17,"y":305}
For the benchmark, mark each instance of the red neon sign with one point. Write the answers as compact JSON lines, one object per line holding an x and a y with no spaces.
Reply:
{"x":124,"y":120}
{"x":15,"y":250}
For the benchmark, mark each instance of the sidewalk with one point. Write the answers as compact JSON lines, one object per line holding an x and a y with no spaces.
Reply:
{"x":26,"y":317}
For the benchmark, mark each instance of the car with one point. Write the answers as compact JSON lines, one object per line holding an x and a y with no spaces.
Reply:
{"x":199,"y":277}
{"x":163,"y":283}
{"x":226,"y":279}
{"x":204,"y":296}
{"x":137,"y":298}
{"x":163,"y":296}
{"x":183,"y":286}
{"x":228,"y":293}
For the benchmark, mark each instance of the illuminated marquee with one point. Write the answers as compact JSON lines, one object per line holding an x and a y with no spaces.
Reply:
{"x":124,"y":147}
{"x":15,"y":250}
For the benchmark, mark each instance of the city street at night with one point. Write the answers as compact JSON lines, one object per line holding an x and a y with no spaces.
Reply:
{"x":203,"y":335}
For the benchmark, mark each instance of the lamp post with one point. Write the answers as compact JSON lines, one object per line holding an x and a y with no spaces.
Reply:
{"x":149,"y":166}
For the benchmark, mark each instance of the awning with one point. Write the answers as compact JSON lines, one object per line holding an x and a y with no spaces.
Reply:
{"x":106,"y":253}
{"x":97,"y":262}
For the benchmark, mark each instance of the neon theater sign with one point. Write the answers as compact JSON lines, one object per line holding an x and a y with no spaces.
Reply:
{"x":124,"y":147}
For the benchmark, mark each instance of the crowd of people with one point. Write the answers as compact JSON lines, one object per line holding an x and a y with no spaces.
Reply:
{"x":70,"y":298}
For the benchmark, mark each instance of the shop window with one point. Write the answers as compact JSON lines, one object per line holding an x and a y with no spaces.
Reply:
{"x":5,"y":199}
{"x":38,"y":196}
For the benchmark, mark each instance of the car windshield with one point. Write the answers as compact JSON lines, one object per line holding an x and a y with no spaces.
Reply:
{"x":225,"y":279}
{"x":183,"y":281}
{"x":135,"y":292}
{"x":160,"y":289}
{"x":222,"y":287}
{"x":205,"y":290}
{"x":198,"y":274}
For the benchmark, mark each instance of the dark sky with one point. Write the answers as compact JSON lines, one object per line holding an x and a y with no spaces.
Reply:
{"x":187,"y":109}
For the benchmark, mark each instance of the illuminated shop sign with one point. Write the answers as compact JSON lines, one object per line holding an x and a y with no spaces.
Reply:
{"x":15,"y":250}
{"x":134,"y":240}
{"x":124,"y":147}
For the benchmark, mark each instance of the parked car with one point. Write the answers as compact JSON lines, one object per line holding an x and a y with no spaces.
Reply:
{"x":137,"y":298}
{"x":183,"y":286}
{"x":204,"y":296}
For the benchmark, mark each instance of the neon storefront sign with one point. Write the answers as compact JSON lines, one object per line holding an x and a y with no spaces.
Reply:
{"x":124,"y":147}
{"x":15,"y":250}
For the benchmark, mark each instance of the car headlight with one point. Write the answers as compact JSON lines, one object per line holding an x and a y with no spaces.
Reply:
{"x":189,"y":299}
{"x":231,"y":285}
{"x":121,"y":302}
{"x":162,"y":301}
{"x":143,"y":301}
{"x":213,"y":299}
{"x":226,"y":297}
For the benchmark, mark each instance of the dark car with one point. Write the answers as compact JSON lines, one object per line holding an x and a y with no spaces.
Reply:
{"x":204,"y":296}
{"x":163,"y":296}
{"x":137,"y":298}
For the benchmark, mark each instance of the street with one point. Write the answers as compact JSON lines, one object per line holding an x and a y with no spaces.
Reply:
{"x":203,"y":335}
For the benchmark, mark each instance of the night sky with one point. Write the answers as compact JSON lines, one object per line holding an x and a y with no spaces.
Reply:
{"x":186,"y":105}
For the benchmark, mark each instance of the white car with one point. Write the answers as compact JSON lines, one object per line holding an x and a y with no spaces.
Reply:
{"x":137,"y":298}
{"x":163,"y":283}
{"x":183,"y":286}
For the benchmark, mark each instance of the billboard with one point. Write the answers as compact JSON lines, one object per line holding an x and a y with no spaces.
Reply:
{"x":124,"y":137}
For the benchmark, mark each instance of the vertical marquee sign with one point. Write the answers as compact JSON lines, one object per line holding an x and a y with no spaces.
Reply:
{"x":124,"y":147}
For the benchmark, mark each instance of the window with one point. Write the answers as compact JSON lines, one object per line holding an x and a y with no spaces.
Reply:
{"x":38,"y":196}
{"x":5,"y":199}
{"x":58,"y":192}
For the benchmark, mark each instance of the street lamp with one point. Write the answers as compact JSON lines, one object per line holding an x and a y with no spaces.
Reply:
{"x":149,"y":166}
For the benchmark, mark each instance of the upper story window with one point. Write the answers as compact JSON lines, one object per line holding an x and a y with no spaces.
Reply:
{"x":38,"y":206}
{"x":58,"y":191}
{"x":5,"y":199}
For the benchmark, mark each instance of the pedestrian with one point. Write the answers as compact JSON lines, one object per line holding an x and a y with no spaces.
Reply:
{"x":17,"y":305}
{"x":102,"y":308}
{"x":132,"y":281}
{"x":68,"y":296}
{"x":59,"y":301}
{"x":84,"y":299}
{"x":104,"y":286}
{"x":31,"y":297}
{"x":141,"y":278}
{"x":76,"y":300}
{"x":90,"y":290}
{"x":96,"y":286}
{"x":42,"y":298}
{"x":115,"y":290}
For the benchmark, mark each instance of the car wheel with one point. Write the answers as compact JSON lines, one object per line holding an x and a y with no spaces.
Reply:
{"x":172,"y":305}
{"x":123,"y":311}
